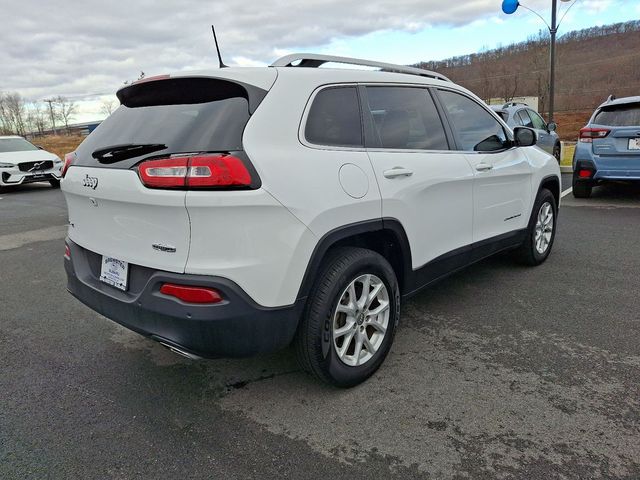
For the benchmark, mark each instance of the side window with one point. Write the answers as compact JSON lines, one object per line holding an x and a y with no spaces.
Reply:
{"x":475,"y":128}
{"x":406,"y":118}
{"x":334,"y":118}
{"x":525,"y":119}
{"x":537,"y":120}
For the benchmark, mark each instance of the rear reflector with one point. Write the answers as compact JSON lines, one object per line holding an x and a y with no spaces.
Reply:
{"x":199,"y":171}
{"x":585,"y":173}
{"x":67,"y":252}
{"x":191,"y":294}
{"x":588,"y":134}
{"x":68,"y":160}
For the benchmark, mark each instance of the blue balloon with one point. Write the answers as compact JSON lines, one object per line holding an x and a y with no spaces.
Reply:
{"x":510,"y":6}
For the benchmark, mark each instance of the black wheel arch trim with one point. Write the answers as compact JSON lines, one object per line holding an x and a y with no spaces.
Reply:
{"x":333,"y":237}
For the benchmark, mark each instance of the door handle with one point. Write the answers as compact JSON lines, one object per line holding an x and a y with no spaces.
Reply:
{"x":397,"y":172}
{"x":483,"y":167}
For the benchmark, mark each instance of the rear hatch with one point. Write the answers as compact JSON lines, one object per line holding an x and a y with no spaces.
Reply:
{"x":620,"y":130}
{"x":126,"y":186}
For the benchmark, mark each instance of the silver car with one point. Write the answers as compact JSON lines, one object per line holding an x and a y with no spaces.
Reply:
{"x":517,"y":114}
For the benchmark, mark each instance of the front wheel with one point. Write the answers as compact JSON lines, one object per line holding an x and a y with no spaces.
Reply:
{"x":350,"y":319}
{"x":557,"y":153}
{"x":541,"y":230}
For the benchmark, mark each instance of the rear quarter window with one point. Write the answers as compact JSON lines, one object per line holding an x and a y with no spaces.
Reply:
{"x":334,"y":118}
{"x":619,"y":116}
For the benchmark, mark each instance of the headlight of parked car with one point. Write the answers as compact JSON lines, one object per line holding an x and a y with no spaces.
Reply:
{"x":6,"y":165}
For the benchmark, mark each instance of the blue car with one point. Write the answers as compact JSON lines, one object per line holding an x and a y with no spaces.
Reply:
{"x":608,"y":147}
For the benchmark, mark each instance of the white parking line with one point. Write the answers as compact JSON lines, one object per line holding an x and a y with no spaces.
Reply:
{"x":566,"y":192}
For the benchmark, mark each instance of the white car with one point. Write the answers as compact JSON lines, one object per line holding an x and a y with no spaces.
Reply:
{"x":233,"y":212}
{"x":22,"y":162}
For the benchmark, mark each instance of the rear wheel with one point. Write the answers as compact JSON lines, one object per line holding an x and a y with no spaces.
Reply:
{"x":581,"y":190}
{"x":350,"y":319}
{"x":55,"y":183}
{"x":541,"y":230}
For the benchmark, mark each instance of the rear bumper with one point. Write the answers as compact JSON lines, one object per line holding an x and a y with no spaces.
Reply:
{"x":609,"y":167}
{"x":236,"y":327}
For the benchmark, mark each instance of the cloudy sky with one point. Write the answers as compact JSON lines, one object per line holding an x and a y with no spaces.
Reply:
{"x":86,"y":50}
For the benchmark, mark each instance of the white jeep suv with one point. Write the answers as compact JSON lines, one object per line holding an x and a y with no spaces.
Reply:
{"x":236,"y":211}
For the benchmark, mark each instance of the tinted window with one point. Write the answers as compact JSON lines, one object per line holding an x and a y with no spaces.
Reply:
{"x":537,"y":120}
{"x":215,"y":124}
{"x":476,"y":129}
{"x":334,"y":118}
{"x":525,"y":119}
{"x":15,"y":145}
{"x":620,"y":116}
{"x":406,"y":118}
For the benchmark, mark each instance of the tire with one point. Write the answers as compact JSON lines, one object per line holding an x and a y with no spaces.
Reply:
{"x":581,"y":190}
{"x":557,"y":152}
{"x":530,"y":252}
{"x":315,"y":344}
{"x":55,"y":183}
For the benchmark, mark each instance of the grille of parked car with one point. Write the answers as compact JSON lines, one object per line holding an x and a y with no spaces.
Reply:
{"x":28,"y":166}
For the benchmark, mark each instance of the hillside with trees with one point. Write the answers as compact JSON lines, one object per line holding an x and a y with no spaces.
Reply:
{"x":591,"y":64}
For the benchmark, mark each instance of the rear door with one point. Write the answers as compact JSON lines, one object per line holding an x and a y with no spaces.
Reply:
{"x":425,"y":184}
{"x":111,"y":212}
{"x":502,"y":182}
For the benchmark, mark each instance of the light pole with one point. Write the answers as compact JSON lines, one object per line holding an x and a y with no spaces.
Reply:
{"x":510,"y":6}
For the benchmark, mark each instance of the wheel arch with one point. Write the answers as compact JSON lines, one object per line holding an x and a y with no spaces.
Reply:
{"x":551,"y":183}
{"x":385,"y":236}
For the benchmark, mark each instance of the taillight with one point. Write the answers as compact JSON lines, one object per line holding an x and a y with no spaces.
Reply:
{"x":198,"y":171}
{"x":191,"y":294}
{"x":588,"y":134}
{"x":67,"y":252}
{"x":68,"y":160}
{"x":584,"y":173}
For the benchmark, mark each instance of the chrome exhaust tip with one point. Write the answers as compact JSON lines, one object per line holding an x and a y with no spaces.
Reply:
{"x":180,"y":352}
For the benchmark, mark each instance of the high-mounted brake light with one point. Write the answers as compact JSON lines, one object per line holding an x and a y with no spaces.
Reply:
{"x":68,"y":161}
{"x":191,"y":294}
{"x":151,"y":79}
{"x":588,"y":134}
{"x":198,"y":171}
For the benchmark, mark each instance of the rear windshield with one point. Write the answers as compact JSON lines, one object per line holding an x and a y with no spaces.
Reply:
{"x":167,"y":121}
{"x":619,"y":116}
{"x":15,"y":145}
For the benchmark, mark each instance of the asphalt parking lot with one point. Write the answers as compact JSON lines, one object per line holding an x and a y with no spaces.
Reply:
{"x":500,"y":371}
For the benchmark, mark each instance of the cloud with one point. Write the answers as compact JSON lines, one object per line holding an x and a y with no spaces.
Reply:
{"x":85,"y":50}
{"x":91,"y":47}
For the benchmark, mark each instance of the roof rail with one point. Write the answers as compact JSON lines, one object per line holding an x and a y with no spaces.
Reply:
{"x":314,"y":60}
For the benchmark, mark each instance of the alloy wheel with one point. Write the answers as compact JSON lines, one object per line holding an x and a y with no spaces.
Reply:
{"x":361,"y":320}
{"x":544,"y":228}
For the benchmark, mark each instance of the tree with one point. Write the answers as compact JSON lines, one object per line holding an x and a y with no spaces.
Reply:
{"x":107,"y":107}
{"x":12,"y":113}
{"x":66,"y":109}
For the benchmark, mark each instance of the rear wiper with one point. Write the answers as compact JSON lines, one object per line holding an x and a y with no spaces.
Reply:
{"x":117,"y":153}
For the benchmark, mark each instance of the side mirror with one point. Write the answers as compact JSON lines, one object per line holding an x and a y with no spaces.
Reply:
{"x":524,"y":137}
{"x":40,"y":147}
{"x":552,"y":126}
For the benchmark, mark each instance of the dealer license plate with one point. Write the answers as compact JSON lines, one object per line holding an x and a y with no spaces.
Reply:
{"x":114,"y":272}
